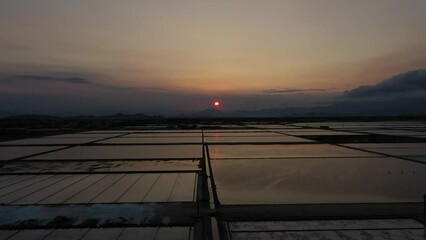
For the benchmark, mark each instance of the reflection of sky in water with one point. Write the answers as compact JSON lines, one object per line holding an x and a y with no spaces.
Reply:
{"x":267,"y":151}
{"x":134,"y":213}
{"x":149,"y":140}
{"x":337,"y":180}
{"x":243,"y":134}
{"x":100,"y":166}
{"x":282,"y":138}
{"x":49,"y":141}
{"x":8,"y":153}
{"x":126,"y":152}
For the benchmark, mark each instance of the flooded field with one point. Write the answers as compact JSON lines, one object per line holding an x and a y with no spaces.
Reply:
{"x":246,"y":181}
{"x":318,"y":180}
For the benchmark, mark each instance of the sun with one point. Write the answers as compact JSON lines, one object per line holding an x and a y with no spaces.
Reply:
{"x":216,"y":104}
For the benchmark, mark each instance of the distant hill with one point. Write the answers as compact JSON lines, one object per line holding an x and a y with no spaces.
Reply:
{"x":402,"y":106}
{"x":398,"y":106}
{"x":31,"y":117}
{"x":393,"y":107}
{"x":413,"y":106}
{"x":400,"y":95}
{"x":118,"y":116}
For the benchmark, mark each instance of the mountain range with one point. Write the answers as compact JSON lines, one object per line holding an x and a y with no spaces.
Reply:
{"x":400,"y":95}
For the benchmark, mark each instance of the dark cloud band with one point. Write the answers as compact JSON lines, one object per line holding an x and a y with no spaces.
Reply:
{"x":408,"y":82}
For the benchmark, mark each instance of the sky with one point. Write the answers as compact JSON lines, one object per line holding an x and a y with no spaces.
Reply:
{"x":166,"y":56}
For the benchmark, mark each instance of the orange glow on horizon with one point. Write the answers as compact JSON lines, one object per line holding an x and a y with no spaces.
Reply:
{"x":216,"y":103}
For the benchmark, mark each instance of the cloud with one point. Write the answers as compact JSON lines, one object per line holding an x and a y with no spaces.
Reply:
{"x":43,"y":78}
{"x":292,"y":90}
{"x":409,"y":82}
{"x":73,"y":79}
{"x":78,"y":80}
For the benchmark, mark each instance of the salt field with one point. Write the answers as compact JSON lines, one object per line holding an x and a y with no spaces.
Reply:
{"x":327,"y":180}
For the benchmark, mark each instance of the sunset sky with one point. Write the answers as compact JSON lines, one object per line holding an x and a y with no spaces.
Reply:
{"x":162,"y":56}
